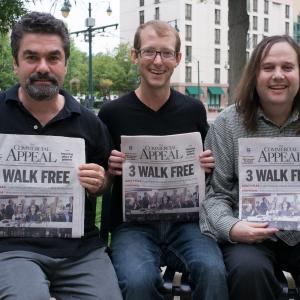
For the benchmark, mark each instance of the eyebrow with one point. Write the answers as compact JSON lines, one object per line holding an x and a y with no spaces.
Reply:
{"x":31,"y":52}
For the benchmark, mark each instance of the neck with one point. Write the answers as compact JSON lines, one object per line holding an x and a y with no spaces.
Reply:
{"x":153,"y":98}
{"x":43,"y":111}
{"x":278,"y":115}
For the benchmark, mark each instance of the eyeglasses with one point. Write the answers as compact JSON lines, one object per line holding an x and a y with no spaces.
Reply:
{"x":150,"y":53}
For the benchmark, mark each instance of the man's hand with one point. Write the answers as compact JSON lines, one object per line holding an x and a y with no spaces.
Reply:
{"x":248,"y":232}
{"x":115,"y":162}
{"x":92,"y":177}
{"x":207,"y":161}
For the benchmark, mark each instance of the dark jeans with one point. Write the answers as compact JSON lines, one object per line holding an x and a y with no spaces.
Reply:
{"x":138,"y":249}
{"x":252,"y":268}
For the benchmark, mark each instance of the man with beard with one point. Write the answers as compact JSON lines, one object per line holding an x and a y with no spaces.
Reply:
{"x":76,"y":268}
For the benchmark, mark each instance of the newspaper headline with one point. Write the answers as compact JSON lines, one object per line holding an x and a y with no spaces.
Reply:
{"x":269,"y":181}
{"x":162,"y":177}
{"x":40,"y":194}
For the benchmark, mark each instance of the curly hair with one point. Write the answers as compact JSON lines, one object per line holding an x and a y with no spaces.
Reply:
{"x":37,"y":22}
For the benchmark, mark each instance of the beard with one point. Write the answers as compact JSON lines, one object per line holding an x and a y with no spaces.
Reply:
{"x":41,"y":92}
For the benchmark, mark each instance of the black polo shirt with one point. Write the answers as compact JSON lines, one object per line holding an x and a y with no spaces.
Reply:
{"x":72,"y":121}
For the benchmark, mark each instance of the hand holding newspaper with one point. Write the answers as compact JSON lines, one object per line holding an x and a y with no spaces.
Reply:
{"x":162,"y":177}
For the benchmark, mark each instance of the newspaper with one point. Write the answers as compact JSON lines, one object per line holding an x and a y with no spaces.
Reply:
{"x":269,"y":181}
{"x":40,"y":193}
{"x":162,"y":177}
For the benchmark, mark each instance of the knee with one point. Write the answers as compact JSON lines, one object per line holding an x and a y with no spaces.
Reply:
{"x":249,"y":270}
{"x":141,"y":280}
{"x":211,"y":271}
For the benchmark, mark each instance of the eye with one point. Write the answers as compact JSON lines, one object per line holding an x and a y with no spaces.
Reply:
{"x":31,"y":58}
{"x":288,"y":68}
{"x":54,"y":58}
{"x":267,"y":68}
{"x":149,"y":52}
{"x":168,"y":53}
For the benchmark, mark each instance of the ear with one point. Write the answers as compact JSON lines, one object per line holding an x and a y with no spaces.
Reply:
{"x":15,"y":66}
{"x":178,"y":58}
{"x":134,"y":56}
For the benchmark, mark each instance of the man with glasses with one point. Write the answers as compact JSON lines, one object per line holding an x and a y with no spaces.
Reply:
{"x":155,"y":109}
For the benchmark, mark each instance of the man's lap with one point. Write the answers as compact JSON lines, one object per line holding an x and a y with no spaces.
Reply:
{"x":81,"y":278}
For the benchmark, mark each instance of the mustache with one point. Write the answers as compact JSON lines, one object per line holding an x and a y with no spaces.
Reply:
{"x":39,"y":76}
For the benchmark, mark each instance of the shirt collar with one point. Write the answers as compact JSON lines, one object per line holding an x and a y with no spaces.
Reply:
{"x":71,"y":104}
{"x":292,"y":118}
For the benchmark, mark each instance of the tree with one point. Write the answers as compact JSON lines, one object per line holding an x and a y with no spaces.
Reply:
{"x":10,"y":11}
{"x":7,"y":77}
{"x":238,"y":21}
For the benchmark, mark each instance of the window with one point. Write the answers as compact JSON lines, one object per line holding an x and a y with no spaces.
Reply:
{"x":213,"y":101}
{"x":188,"y":32}
{"x":266,"y":24}
{"x":287,"y":11}
{"x":188,"y":74}
{"x":188,"y":54}
{"x":142,"y":2}
{"x":266,"y":7}
{"x":287,"y":28}
{"x":188,"y":11}
{"x":217,"y":75}
{"x":142,"y":17}
{"x":217,"y":56}
{"x":255,"y":5}
{"x":156,"y":16}
{"x":254,"y":40}
{"x":156,"y":1}
{"x":217,"y":2}
{"x":248,"y":5}
{"x":217,"y":36}
{"x":217,"y":16}
{"x":254,"y":25}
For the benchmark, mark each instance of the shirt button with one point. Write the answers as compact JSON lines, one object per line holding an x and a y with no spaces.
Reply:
{"x":35,"y":127}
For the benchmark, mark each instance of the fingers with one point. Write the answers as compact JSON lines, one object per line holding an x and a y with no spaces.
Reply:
{"x":91,"y":177}
{"x":248,"y":232}
{"x":115,"y":162}
{"x":207,"y":161}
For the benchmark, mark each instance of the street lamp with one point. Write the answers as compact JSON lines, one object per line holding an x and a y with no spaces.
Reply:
{"x":89,"y":23}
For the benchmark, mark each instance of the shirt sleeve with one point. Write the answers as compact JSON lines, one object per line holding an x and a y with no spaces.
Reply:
{"x":217,"y":216}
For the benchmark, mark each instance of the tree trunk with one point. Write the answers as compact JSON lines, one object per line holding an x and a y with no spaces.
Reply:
{"x":238,"y":21}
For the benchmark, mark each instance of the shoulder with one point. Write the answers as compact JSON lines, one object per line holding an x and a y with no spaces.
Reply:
{"x":118,"y":103}
{"x":191,"y":105}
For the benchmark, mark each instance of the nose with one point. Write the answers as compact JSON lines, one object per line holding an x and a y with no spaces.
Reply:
{"x":278,"y":73}
{"x":157,"y":58}
{"x":42,"y":66}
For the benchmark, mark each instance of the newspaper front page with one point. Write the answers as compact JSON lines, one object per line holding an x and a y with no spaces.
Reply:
{"x":162,"y":177}
{"x":269,"y":181}
{"x":40,"y":193}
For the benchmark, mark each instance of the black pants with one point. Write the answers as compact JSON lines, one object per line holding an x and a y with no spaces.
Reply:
{"x":252,"y":268}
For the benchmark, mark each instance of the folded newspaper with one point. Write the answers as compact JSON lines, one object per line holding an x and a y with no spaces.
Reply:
{"x":162,"y":177}
{"x":269,"y":181}
{"x":40,"y":193}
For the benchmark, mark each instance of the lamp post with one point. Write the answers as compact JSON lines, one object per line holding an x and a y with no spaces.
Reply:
{"x":198,"y":77}
{"x":89,"y":23}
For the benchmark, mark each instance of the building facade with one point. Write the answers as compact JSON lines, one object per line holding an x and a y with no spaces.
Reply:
{"x":203,"y":28}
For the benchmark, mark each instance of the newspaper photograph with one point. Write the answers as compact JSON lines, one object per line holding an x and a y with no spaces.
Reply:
{"x":40,"y":193}
{"x":269,"y":181}
{"x":162,"y":177}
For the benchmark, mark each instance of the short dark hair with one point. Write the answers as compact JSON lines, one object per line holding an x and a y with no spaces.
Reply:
{"x":247,"y":99}
{"x":37,"y":22}
{"x":161,"y":28}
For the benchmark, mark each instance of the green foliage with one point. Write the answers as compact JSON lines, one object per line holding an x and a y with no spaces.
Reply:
{"x":10,"y":11}
{"x":7,"y":77}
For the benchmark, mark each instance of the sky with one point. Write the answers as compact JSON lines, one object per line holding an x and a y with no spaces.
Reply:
{"x":102,"y":42}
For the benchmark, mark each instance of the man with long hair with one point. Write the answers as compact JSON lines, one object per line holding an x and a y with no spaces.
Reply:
{"x":267,"y":105}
